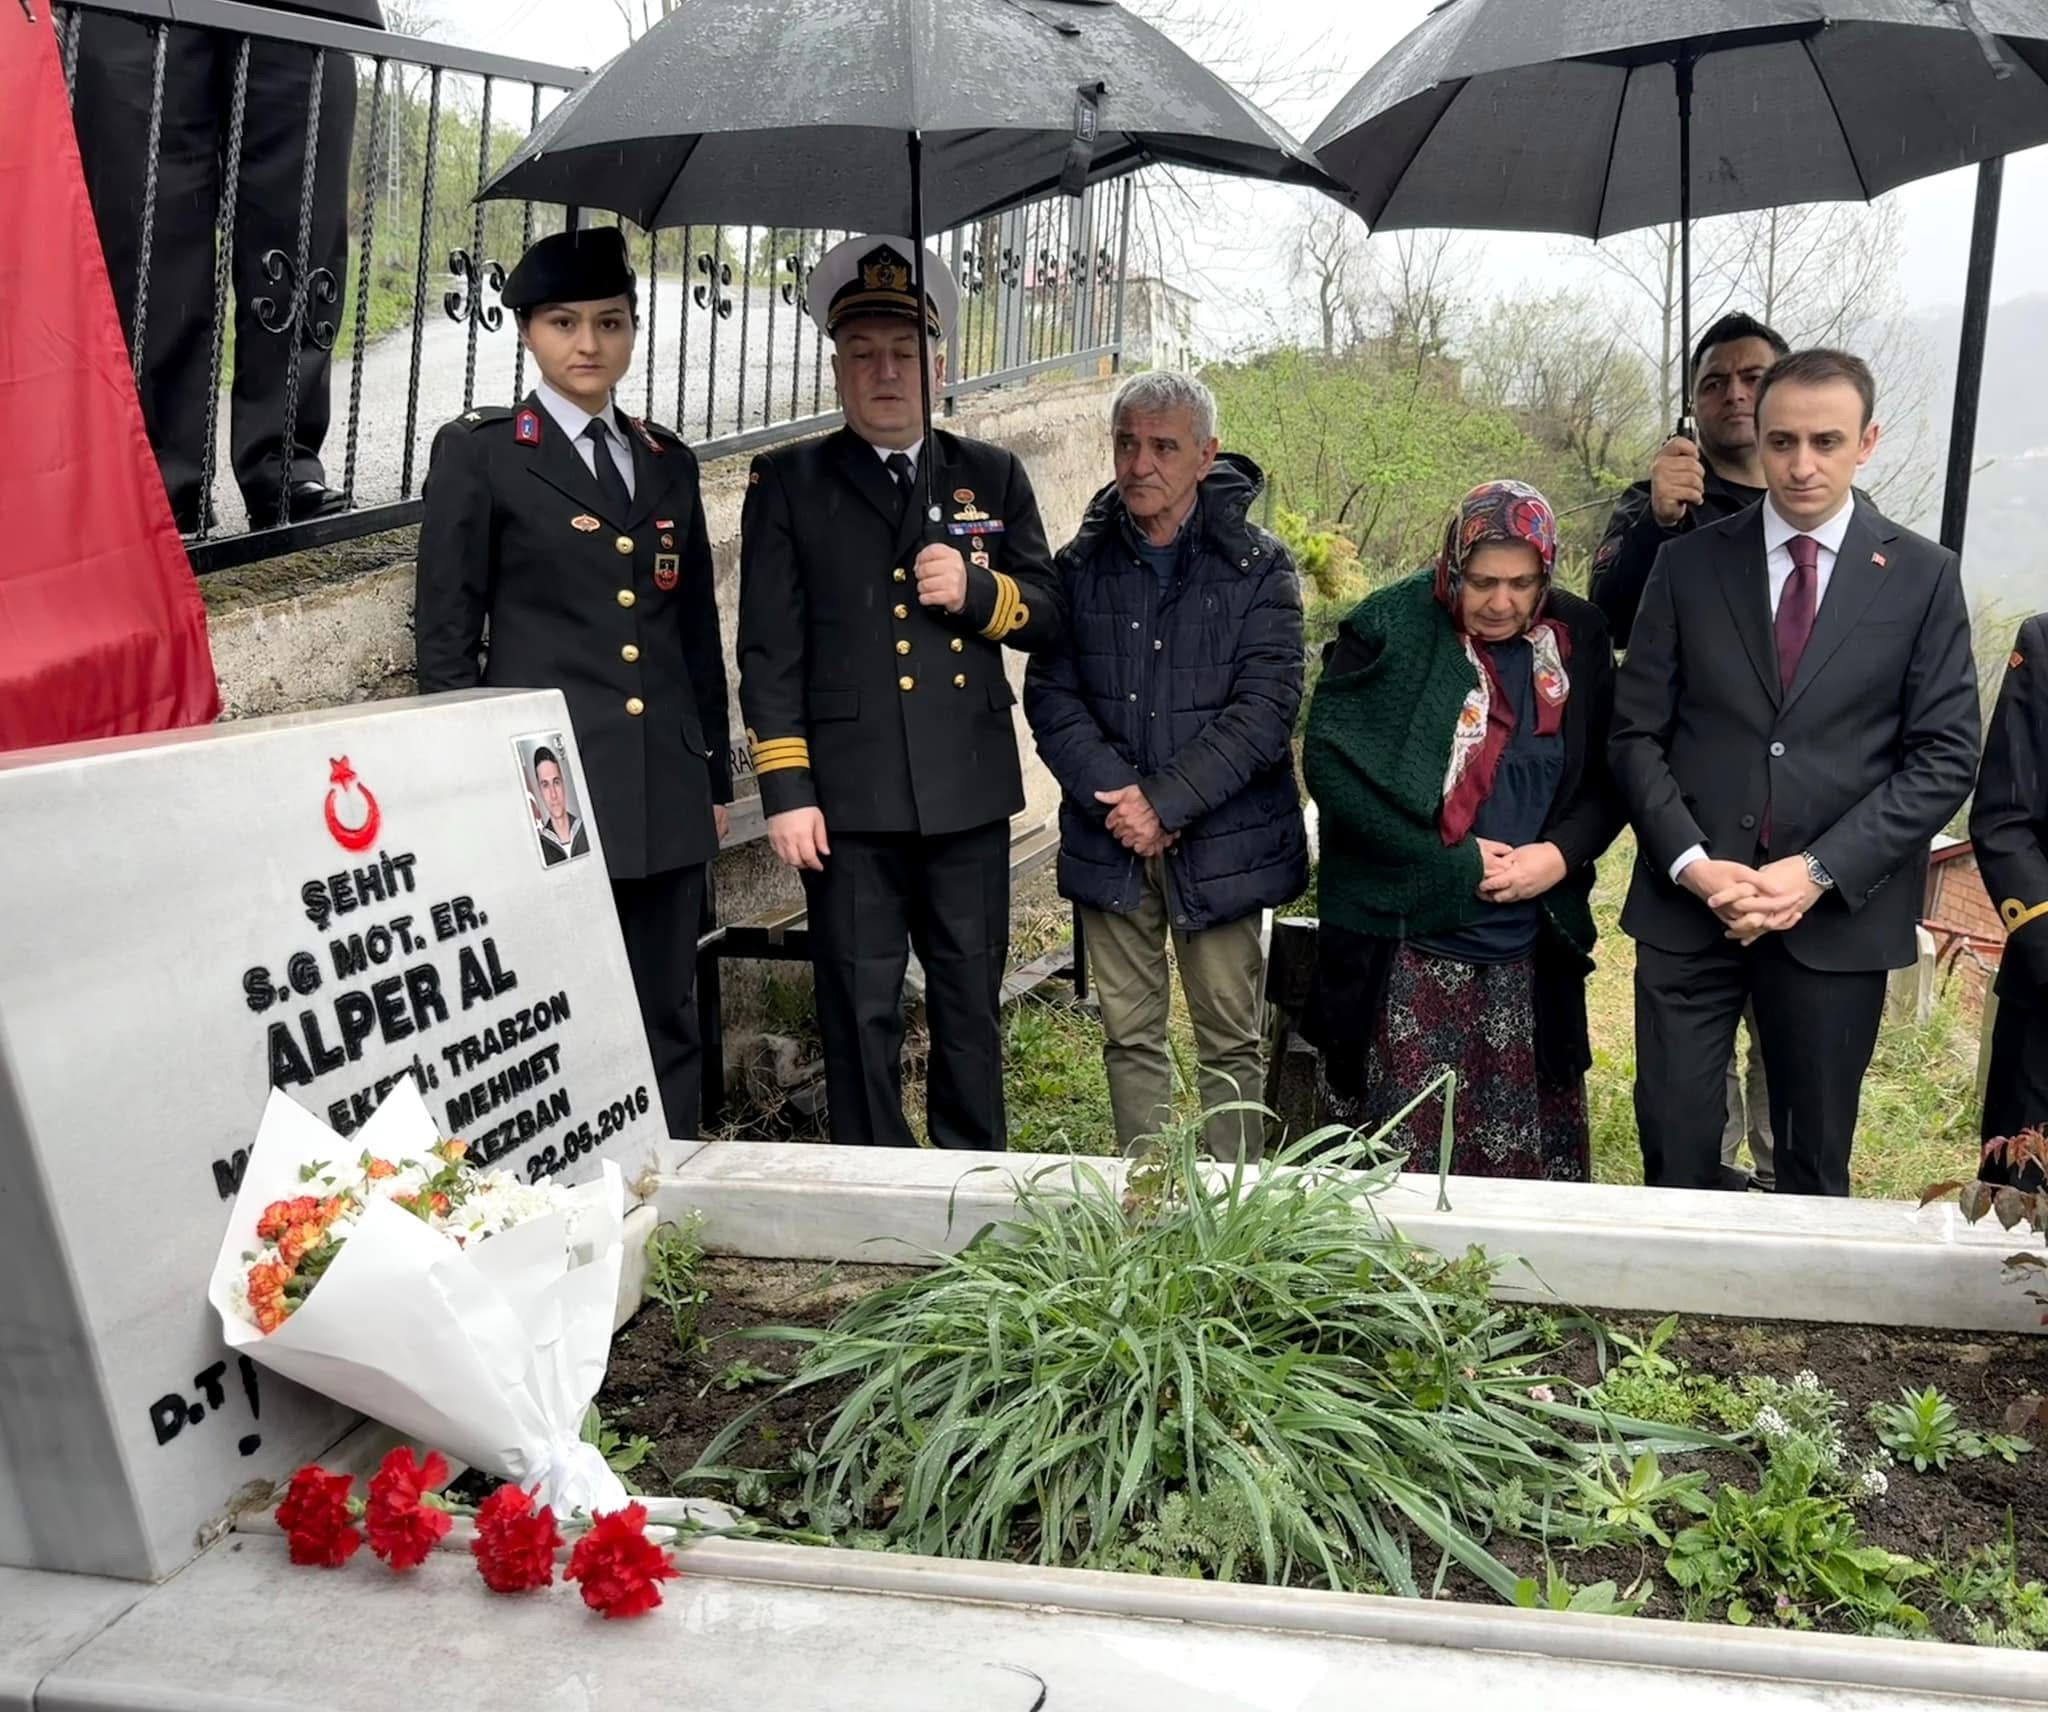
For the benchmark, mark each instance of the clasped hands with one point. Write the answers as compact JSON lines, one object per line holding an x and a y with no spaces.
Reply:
{"x":1132,"y":823}
{"x":1512,"y":873}
{"x":1752,"y":902}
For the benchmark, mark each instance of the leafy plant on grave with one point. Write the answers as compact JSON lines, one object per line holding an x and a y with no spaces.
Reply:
{"x":1264,"y":1348}
{"x":1626,"y":1501}
{"x":1786,"y":1549}
{"x":622,"y":1455}
{"x":2020,"y":1155}
{"x":1648,"y":1385}
{"x":2004,"y":1446}
{"x":1921,"y":1428}
{"x":674,"y":1253}
{"x":1986,"y":1592}
{"x":1555,"y":1593}
{"x":1798,"y":1416}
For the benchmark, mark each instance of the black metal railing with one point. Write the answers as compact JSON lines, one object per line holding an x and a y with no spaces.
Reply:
{"x":217,"y":209}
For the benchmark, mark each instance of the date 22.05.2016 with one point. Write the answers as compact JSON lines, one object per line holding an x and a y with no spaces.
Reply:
{"x":588,"y":1137}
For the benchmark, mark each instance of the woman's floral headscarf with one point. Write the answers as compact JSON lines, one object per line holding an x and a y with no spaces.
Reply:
{"x":1491,"y":512}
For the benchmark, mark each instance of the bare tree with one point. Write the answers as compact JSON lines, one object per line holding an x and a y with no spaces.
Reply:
{"x":1412,"y":275}
{"x":1331,"y":268}
{"x":1647,"y":265}
{"x":1566,"y":366}
{"x":640,"y":16}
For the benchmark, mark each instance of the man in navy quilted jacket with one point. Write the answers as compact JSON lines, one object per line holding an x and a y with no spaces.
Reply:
{"x":1166,"y":714}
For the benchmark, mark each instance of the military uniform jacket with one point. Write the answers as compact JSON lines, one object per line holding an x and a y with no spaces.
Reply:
{"x":2009,"y":818}
{"x":887,"y":715}
{"x":618,"y":613}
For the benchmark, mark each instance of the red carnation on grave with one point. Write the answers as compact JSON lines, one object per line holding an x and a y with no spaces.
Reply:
{"x":403,"y":1530}
{"x":316,"y":1520}
{"x":619,"y":1565}
{"x":515,"y":1545}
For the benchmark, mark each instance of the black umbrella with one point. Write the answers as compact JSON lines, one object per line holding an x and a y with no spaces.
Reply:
{"x":886,"y":116}
{"x":1563,"y":116}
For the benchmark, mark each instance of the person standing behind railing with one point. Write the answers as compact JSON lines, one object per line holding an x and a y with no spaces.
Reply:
{"x":194,"y":164}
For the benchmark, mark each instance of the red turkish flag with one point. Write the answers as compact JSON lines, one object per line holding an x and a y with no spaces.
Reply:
{"x":102,"y":631}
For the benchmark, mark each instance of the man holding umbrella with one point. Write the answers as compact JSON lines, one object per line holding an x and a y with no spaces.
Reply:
{"x":871,"y":637}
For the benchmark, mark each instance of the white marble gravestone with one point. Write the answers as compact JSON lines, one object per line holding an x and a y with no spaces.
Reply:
{"x":324,"y":902}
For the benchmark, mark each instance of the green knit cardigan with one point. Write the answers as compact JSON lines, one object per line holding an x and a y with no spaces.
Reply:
{"x":1374,"y":755}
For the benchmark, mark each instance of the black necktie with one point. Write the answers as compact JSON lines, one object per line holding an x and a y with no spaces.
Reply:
{"x":905,"y":472}
{"x":610,"y":483}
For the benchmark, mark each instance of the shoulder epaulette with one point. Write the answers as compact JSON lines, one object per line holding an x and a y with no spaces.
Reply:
{"x":484,"y":413}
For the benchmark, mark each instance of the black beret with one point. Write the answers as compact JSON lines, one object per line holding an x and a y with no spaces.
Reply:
{"x":584,"y":266}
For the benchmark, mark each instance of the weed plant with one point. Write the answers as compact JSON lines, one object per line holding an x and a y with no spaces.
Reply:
{"x":1217,"y":1373}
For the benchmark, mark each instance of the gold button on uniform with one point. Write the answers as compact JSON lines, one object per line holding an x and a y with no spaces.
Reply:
{"x":626,"y":597}
{"x":958,"y":645}
{"x":635,"y":706}
{"x":902,"y":611}
{"x":960,"y":681}
{"x":906,"y":683}
{"x":900,"y":574}
{"x":624,"y":543}
{"x":629,"y":653}
{"x":903,"y":647}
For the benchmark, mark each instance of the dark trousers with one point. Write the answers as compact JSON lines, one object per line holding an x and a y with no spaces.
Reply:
{"x":660,"y":917}
{"x":1817,"y":1031}
{"x":2016,"y":1085}
{"x":949,"y":897}
{"x":116,"y":58}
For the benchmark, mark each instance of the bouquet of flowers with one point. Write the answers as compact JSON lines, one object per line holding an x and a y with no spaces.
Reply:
{"x":461,"y":1307}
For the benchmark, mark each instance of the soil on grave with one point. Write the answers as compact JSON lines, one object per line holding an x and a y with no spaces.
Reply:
{"x":682,"y":1403}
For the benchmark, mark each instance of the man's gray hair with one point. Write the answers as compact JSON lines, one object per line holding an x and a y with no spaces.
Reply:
{"x":1160,"y":392}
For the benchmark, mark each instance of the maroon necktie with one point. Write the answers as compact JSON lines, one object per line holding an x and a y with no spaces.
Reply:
{"x":1795,"y":607}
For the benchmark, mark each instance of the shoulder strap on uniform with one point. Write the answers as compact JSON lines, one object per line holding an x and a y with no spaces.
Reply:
{"x":484,"y":413}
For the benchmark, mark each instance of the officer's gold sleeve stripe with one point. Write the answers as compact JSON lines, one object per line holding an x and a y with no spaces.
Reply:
{"x":789,"y":764}
{"x":998,"y":625}
{"x":2017,"y":914}
{"x":781,"y":755}
{"x":762,"y":745}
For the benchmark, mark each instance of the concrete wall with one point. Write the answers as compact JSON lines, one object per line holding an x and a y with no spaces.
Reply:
{"x":329,"y":630}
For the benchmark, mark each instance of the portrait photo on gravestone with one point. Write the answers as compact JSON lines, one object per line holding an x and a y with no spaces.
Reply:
{"x":552,"y":796}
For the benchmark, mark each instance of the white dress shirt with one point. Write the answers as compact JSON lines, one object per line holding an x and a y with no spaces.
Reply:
{"x":573,"y":419}
{"x":885,"y":453}
{"x":1778,"y":563}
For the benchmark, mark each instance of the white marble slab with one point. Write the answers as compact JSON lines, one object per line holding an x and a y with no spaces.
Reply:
{"x":241,"y":1629}
{"x":44,"y":1619}
{"x":191,"y":918}
{"x":1594,"y":1245}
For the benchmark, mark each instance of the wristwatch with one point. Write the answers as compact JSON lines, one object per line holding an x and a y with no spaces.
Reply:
{"x":1816,"y":873}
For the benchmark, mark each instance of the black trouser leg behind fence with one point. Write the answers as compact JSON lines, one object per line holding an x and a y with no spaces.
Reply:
{"x":116,"y":69}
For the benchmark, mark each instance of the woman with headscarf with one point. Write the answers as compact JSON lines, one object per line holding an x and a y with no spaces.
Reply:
{"x":1457,"y":753}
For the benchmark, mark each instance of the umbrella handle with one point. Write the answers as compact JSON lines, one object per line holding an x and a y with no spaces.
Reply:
{"x":925,"y":475}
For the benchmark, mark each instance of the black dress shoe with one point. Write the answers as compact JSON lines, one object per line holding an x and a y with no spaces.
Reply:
{"x":1735,"y":1179}
{"x":308,"y":499}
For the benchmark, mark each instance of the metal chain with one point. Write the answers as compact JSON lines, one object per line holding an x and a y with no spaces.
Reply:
{"x":302,"y":290}
{"x":739,"y":409}
{"x":373,"y":178}
{"x":525,"y":244}
{"x":476,"y":250}
{"x":683,"y":330}
{"x":223,"y":270}
{"x":653,"y":320}
{"x":419,"y":285}
{"x":140,"y":329}
{"x":74,"y":22}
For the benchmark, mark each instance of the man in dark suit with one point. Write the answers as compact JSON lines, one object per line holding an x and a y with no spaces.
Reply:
{"x":1796,"y":718}
{"x":111,"y":102}
{"x":2009,"y":828}
{"x":578,"y":533}
{"x":872,"y":678}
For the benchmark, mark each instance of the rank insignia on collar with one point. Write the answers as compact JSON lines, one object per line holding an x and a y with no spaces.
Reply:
{"x":526,"y":428}
{"x":666,"y":571}
{"x":586,"y":523}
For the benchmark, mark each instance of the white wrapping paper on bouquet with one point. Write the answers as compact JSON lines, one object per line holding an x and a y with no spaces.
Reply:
{"x":490,"y":1352}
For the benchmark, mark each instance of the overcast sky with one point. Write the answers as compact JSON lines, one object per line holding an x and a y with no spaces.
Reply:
{"x":1349,"y":35}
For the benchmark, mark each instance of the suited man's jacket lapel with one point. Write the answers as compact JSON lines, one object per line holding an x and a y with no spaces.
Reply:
{"x":1854,"y":585}
{"x":1746,"y":584}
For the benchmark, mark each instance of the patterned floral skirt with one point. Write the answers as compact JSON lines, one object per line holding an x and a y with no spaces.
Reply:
{"x":1478,"y":1019}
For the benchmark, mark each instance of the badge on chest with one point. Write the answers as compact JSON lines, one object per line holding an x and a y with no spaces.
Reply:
{"x":667,"y":569}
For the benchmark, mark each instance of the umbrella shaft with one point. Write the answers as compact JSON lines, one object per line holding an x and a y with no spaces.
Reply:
{"x":1685,"y":66}
{"x":923,"y":496}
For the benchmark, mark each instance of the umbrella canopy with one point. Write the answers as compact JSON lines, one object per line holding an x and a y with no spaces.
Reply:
{"x":788,"y":114}
{"x":1564,"y":116}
